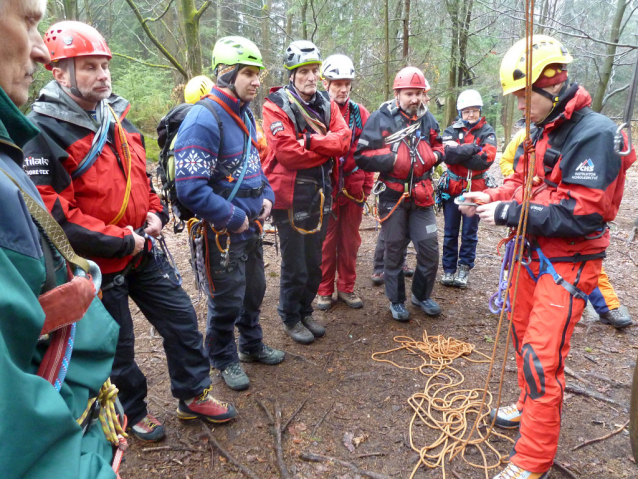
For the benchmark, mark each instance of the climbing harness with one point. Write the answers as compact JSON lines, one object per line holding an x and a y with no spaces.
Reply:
{"x":197,"y":245}
{"x":163,"y":256}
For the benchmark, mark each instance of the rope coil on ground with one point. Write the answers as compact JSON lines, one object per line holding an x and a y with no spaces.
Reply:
{"x":441,"y":406}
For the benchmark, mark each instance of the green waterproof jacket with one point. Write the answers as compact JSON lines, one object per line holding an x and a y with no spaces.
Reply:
{"x":39,"y":436}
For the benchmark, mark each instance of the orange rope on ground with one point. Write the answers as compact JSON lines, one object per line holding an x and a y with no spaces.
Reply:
{"x":441,"y":406}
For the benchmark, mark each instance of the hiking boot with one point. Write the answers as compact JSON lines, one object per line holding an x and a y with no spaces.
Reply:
{"x":407,"y":271}
{"x":461,"y":276}
{"x":235,"y":377}
{"x":350,"y":299}
{"x":507,"y":417}
{"x":206,"y":407}
{"x":616,"y":318}
{"x":447,"y":279}
{"x":512,"y":471}
{"x":324,"y":303}
{"x":429,"y":306}
{"x":399,"y":313}
{"x":377,"y":279}
{"x":299,"y":333}
{"x":313,"y":326}
{"x":264,"y":355}
{"x":149,"y":429}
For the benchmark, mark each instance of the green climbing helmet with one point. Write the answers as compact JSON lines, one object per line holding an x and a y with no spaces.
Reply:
{"x":236,"y":50}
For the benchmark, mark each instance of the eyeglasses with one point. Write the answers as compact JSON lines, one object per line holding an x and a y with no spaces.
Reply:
{"x":470,"y":112}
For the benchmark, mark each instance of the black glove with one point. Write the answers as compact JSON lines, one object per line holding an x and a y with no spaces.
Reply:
{"x":461,"y":153}
{"x":477,"y":162}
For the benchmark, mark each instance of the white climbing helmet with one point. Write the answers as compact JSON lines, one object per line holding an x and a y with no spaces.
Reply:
{"x":469,"y":98}
{"x":337,"y":67}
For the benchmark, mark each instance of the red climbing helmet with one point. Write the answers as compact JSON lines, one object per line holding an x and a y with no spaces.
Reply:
{"x":71,"y":39}
{"x":410,"y":77}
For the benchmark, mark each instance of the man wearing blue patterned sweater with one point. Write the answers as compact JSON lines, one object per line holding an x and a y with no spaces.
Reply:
{"x":219,"y":178}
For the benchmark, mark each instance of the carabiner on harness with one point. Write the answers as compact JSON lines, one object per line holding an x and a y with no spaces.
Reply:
{"x":225,"y":252}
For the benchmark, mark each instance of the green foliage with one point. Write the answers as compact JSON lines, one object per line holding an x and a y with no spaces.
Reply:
{"x":147,"y":89}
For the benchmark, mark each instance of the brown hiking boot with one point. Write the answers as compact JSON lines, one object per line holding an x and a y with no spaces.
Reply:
{"x":350,"y":299}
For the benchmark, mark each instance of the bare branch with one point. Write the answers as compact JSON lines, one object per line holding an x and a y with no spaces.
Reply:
{"x":136,"y":60}
{"x":202,"y":9}
{"x":163,"y":13}
{"x":612,"y":93}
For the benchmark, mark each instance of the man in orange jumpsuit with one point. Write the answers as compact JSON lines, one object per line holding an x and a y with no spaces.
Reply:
{"x":581,"y":182}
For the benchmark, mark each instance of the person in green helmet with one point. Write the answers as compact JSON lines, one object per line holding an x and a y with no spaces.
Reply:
{"x":221,"y":181}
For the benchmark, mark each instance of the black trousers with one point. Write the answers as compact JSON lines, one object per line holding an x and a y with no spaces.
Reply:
{"x":238,"y":291}
{"x":300,"y":265}
{"x":169,"y":309}
{"x":409,"y":222}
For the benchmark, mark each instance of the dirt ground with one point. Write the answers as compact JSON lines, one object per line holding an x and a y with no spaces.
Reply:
{"x":351,"y":396}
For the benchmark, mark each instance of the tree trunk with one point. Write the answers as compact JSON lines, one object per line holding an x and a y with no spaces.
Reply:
{"x":191,"y":17}
{"x":450,"y":98}
{"x":70,"y":9}
{"x":386,"y":83}
{"x":605,"y":73}
{"x":406,"y":31}
{"x":304,"y":20}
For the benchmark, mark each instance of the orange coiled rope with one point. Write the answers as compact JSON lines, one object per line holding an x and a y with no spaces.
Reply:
{"x":441,"y":406}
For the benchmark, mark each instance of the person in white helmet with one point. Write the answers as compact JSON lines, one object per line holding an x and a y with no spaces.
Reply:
{"x":470,"y":149}
{"x":339,"y":256}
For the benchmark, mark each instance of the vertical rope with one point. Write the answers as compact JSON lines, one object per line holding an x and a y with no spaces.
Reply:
{"x":519,"y":239}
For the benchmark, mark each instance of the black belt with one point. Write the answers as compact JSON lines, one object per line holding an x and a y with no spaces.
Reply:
{"x":390,"y":179}
{"x":241,"y":193}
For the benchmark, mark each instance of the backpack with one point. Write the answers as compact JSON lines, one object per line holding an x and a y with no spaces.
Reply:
{"x":166,"y":136}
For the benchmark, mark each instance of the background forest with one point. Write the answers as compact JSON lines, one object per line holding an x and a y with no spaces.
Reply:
{"x":160,"y":44}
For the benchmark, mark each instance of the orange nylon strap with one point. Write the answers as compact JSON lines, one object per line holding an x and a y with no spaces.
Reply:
{"x":126,"y":155}
{"x":232,"y":114}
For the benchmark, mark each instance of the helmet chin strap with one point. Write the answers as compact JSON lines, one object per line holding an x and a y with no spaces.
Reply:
{"x":75,"y":91}
{"x":555,"y":99}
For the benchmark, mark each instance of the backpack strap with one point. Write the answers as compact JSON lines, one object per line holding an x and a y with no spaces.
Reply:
{"x":209,"y":106}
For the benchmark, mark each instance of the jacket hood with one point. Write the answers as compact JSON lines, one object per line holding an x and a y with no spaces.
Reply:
{"x":458,"y":124}
{"x":575,"y":98}
{"x":15,"y":129}
{"x":53,"y":101}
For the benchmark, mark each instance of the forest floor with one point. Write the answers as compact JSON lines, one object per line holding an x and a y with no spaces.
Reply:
{"x":356,"y":409}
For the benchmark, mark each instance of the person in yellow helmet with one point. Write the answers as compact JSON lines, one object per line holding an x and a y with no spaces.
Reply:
{"x":196,"y":88}
{"x":582,"y":178}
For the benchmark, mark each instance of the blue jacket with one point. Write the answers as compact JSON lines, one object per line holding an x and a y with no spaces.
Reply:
{"x":199,"y":180}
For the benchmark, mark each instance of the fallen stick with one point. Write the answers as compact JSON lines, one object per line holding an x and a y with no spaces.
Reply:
{"x":570,"y":372}
{"x":211,"y":439}
{"x":308,"y":456}
{"x":455,"y":474}
{"x":564,"y":469}
{"x":283,"y":429}
{"x":372,"y":454}
{"x":598,"y":439}
{"x":263,"y":406}
{"x":169,"y":448}
{"x":314,"y":431}
{"x":592,"y":394}
{"x":281,"y":464}
{"x":612,"y":382}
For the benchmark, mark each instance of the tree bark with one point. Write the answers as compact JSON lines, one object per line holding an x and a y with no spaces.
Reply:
{"x":386,"y":83}
{"x":191,"y":16}
{"x":605,"y":73}
{"x":70,"y":9}
{"x":406,"y":31}
{"x":304,"y":20}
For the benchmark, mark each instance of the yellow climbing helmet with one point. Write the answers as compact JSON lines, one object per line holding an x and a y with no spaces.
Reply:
{"x":196,"y":88}
{"x":546,"y":51}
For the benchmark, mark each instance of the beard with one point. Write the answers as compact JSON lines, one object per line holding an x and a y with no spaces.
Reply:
{"x":89,"y":94}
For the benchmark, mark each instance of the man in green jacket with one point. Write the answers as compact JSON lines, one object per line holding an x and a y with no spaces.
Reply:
{"x":40,"y":405}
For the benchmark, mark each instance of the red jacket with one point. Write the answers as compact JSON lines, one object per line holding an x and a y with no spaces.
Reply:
{"x":481,"y":134}
{"x":357,"y":183}
{"x":85,"y":206}
{"x":581,"y":189}
{"x":286,"y":156}
{"x":394,"y":161}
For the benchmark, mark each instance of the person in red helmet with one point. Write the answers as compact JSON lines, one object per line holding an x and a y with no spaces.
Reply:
{"x":343,"y":239}
{"x":402,"y":141}
{"x":580,"y":179}
{"x":89,"y":164}
{"x":305,"y":132}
